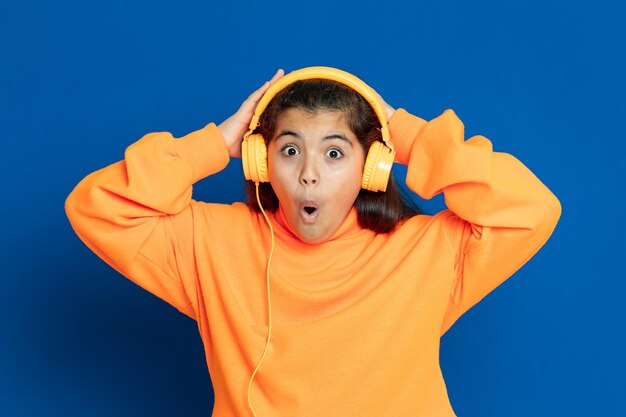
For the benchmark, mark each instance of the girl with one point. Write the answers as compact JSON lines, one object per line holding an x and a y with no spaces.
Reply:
{"x":333,"y":304}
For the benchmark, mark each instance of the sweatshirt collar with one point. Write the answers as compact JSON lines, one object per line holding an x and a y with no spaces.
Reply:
{"x":348,"y":228}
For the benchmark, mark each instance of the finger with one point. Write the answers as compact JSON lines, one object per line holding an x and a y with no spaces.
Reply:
{"x":267,"y":84}
{"x":277,"y":76}
{"x":254,"y":98}
{"x":259,"y":92}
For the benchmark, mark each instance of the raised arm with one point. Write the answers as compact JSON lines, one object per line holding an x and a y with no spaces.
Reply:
{"x":136,"y":214}
{"x":499,"y":212}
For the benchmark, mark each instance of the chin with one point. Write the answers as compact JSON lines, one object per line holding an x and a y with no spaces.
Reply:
{"x":312,"y":238}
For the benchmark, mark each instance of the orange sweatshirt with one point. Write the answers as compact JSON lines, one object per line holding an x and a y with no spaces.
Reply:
{"x":357,"y":319}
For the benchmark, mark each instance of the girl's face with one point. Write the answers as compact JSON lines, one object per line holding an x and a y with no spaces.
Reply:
{"x":315,"y":165}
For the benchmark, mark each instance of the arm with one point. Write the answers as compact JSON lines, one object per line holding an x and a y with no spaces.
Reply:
{"x":500,"y":213}
{"x":136,"y":214}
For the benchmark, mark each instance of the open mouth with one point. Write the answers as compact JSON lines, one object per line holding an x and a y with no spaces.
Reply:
{"x":309,"y":211}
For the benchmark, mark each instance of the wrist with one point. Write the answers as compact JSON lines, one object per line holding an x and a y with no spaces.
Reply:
{"x":403,"y":129}
{"x":231,"y":137}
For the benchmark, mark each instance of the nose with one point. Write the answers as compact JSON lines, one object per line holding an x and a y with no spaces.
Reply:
{"x":309,"y":173}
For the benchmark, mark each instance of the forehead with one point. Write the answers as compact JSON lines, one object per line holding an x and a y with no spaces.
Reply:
{"x":301,"y":119}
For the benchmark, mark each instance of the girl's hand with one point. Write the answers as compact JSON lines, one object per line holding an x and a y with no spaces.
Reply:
{"x":237,"y":125}
{"x":388,"y":109}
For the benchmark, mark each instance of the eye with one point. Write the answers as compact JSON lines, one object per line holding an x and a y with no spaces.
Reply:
{"x":334,"y":153}
{"x":289,"y":150}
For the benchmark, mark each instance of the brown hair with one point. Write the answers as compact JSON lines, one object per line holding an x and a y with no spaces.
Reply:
{"x":378,"y":211}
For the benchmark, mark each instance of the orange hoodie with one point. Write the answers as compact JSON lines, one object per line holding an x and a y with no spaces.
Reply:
{"x":357,"y":319}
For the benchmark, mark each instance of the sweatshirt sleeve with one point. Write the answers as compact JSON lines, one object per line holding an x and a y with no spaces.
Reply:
{"x":499,"y":212}
{"x":136,"y":213}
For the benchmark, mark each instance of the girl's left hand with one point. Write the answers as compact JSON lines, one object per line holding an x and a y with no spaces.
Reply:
{"x":388,"y":109}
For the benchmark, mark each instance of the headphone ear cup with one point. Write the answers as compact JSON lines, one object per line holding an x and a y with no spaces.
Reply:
{"x":254,"y":158}
{"x":377,"y":167}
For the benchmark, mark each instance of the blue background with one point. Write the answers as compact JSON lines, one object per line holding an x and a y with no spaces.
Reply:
{"x":80,"y":81}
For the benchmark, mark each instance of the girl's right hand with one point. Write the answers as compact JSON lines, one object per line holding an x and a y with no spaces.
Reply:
{"x":237,"y":125}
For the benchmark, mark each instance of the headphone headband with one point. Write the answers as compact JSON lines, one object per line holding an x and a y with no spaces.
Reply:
{"x":327,"y":73}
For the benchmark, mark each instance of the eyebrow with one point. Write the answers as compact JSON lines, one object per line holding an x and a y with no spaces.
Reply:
{"x":339,"y":136}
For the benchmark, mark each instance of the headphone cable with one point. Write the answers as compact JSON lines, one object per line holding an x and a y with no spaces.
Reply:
{"x":269,"y":302}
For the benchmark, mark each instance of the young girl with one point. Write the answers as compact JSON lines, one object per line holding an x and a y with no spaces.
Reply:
{"x":333,"y":304}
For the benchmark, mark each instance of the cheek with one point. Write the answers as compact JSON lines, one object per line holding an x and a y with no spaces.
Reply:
{"x":349,"y":176}
{"x":279,"y":175}
{"x":347,"y":185}
{"x":278,"y":185}
{"x":357,"y":177}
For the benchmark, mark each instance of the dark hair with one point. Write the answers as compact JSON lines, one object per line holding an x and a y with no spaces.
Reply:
{"x":378,"y":211}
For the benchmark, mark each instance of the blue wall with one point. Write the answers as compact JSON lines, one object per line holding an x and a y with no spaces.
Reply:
{"x":79,"y":81}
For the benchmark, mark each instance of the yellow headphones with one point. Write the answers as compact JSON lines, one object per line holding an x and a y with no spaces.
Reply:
{"x":380,"y":156}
